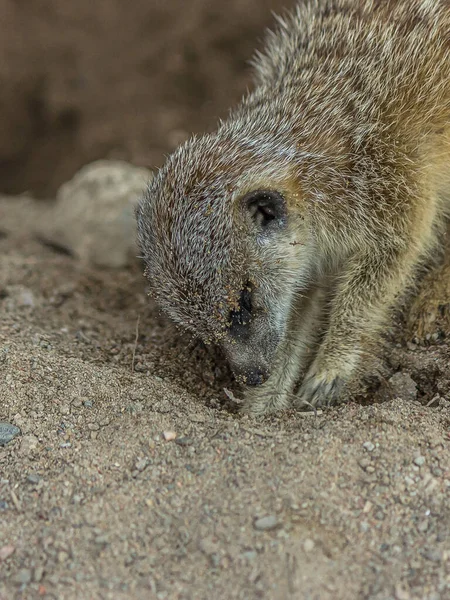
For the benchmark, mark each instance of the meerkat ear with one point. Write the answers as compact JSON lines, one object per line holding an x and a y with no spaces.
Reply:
{"x":267,"y":209}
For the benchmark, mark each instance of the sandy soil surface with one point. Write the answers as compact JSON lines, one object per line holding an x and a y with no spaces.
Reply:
{"x":99,"y":499}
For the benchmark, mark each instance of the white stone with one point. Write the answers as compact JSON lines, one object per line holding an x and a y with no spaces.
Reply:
{"x":93,"y":217}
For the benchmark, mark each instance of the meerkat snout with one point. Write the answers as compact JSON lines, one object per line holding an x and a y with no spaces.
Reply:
{"x":250,"y":342}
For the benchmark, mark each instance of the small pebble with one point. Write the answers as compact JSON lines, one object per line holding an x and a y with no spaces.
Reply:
{"x":64,"y":409}
{"x":141,"y":463}
{"x":215,"y":560}
{"x":26,"y":298}
{"x":403,"y":386}
{"x":434,"y":555}
{"x":7,"y":433}
{"x":6,"y":552}
{"x":102,"y":540}
{"x":423,"y":526}
{"x":401,"y":592}
{"x":369,"y":446}
{"x":62,"y":556}
{"x":33,"y":478}
{"x":308,"y":545}
{"x":28,"y":444}
{"x":419,"y":461}
{"x":364,"y":463}
{"x":169,"y":435}
{"x":38,"y":574}
{"x":266,"y":523}
{"x":209,"y":546}
{"x":184,"y":441}
{"x":23,"y":576}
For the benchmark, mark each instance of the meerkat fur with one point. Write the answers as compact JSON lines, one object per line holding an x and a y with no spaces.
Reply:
{"x":287,"y":235}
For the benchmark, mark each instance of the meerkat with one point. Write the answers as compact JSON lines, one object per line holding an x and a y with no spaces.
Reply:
{"x":288,"y":234}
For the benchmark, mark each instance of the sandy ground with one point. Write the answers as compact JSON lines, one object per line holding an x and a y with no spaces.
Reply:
{"x":95,"y":502}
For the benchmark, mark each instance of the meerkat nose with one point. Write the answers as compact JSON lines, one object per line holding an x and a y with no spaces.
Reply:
{"x":255,"y":377}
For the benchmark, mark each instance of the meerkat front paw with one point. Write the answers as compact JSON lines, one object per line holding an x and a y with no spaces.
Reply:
{"x":264,"y":401}
{"x":319,"y":389}
{"x":429,"y":316}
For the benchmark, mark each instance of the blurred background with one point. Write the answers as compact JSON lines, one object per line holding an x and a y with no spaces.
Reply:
{"x":82,"y":80}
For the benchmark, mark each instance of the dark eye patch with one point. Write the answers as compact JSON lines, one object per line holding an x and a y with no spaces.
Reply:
{"x":267,"y":209}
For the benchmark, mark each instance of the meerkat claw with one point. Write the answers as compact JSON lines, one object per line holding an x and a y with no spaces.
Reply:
{"x":318,"y":391}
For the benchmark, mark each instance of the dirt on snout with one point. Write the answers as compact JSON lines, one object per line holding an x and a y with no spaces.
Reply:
{"x":133,"y":477}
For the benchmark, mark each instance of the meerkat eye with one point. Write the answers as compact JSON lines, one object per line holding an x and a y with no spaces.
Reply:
{"x":266,"y":208}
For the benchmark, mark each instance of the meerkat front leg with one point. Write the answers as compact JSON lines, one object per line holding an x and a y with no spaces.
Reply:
{"x":293,"y":358}
{"x":429,"y":315}
{"x":367,"y":289}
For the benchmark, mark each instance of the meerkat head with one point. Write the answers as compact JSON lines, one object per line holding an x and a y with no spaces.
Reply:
{"x":227,"y":244}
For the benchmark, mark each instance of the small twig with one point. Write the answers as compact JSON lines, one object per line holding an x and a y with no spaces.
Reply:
{"x":15,"y":500}
{"x":217,"y":432}
{"x":135,"y":344}
{"x":433,"y":400}
{"x":259,"y":432}
{"x":309,"y":413}
{"x":229,"y":394}
{"x":291,"y":572}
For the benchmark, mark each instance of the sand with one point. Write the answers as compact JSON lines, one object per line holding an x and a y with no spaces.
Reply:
{"x":134,"y":476}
